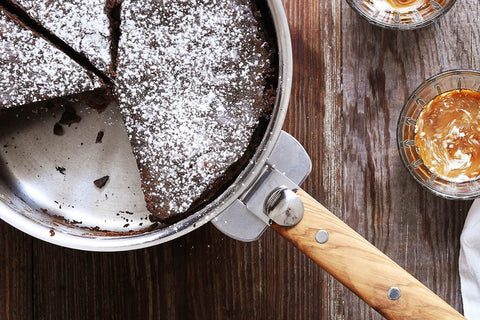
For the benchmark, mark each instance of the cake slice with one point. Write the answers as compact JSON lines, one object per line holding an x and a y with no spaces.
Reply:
{"x":31,"y":69}
{"x":82,"y":24}
{"x":192,"y":85}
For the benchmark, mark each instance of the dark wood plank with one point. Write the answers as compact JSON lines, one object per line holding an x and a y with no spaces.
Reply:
{"x":141,"y":284}
{"x":382,"y":202}
{"x":204,"y":275}
{"x":15,"y":274}
{"x":314,"y":118}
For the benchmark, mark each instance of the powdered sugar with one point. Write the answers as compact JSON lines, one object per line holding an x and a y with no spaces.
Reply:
{"x":191,"y":82}
{"x":82,"y":24}
{"x":31,"y":69}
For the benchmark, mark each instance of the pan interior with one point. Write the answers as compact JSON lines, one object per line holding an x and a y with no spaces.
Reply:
{"x":53,"y":175}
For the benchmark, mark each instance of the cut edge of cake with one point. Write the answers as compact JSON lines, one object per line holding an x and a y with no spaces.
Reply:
{"x":113,"y":9}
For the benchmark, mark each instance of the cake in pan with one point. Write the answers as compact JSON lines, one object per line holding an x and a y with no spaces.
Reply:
{"x":192,"y":79}
{"x":195,"y":83}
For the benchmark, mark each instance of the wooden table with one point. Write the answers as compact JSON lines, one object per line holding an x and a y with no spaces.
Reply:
{"x":350,"y":81}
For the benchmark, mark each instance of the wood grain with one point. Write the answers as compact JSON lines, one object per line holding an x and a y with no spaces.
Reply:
{"x":350,"y":81}
{"x":70,"y":284}
{"x":15,"y":274}
{"x":361,"y":267}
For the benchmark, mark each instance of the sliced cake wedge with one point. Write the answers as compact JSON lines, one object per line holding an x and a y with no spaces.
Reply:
{"x":32,"y":69}
{"x":84,"y":25}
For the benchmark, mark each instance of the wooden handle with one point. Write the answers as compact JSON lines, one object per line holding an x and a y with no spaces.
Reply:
{"x":362,"y":268}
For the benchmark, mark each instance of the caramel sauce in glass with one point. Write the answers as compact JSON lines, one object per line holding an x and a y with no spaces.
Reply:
{"x":447,"y":135}
{"x":401,"y":4}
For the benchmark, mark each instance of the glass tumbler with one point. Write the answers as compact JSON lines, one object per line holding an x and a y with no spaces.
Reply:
{"x":401,"y":14}
{"x":428,"y":90}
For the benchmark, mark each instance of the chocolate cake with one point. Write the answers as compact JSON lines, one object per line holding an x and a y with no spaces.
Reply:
{"x":192,"y":84}
{"x":82,"y":24}
{"x":31,"y":69}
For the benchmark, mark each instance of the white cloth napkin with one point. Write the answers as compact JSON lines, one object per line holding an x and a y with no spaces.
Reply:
{"x":469,"y":263}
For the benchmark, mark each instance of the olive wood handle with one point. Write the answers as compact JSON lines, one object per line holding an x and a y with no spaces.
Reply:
{"x":362,"y":268}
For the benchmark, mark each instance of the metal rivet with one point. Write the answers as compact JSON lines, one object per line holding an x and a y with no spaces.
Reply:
{"x":284,"y":207}
{"x":394,"y":293}
{"x":321,"y":236}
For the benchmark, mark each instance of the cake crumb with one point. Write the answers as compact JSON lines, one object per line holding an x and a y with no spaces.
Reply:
{"x":58,"y":129}
{"x":99,"y":138}
{"x":100,"y":183}
{"x":69,"y":116}
{"x":60,"y":169}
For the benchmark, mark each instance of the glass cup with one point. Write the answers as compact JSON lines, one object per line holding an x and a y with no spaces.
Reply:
{"x":417,"y":14}
{"x":443,"y":82}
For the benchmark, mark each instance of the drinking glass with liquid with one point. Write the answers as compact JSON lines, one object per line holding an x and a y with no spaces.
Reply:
{"x":401,"y":14}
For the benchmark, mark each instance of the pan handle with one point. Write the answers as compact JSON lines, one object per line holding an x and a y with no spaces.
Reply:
{"x":361,"y":267}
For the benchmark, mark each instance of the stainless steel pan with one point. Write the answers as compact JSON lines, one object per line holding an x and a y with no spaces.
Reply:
{"x":47,"y":191}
